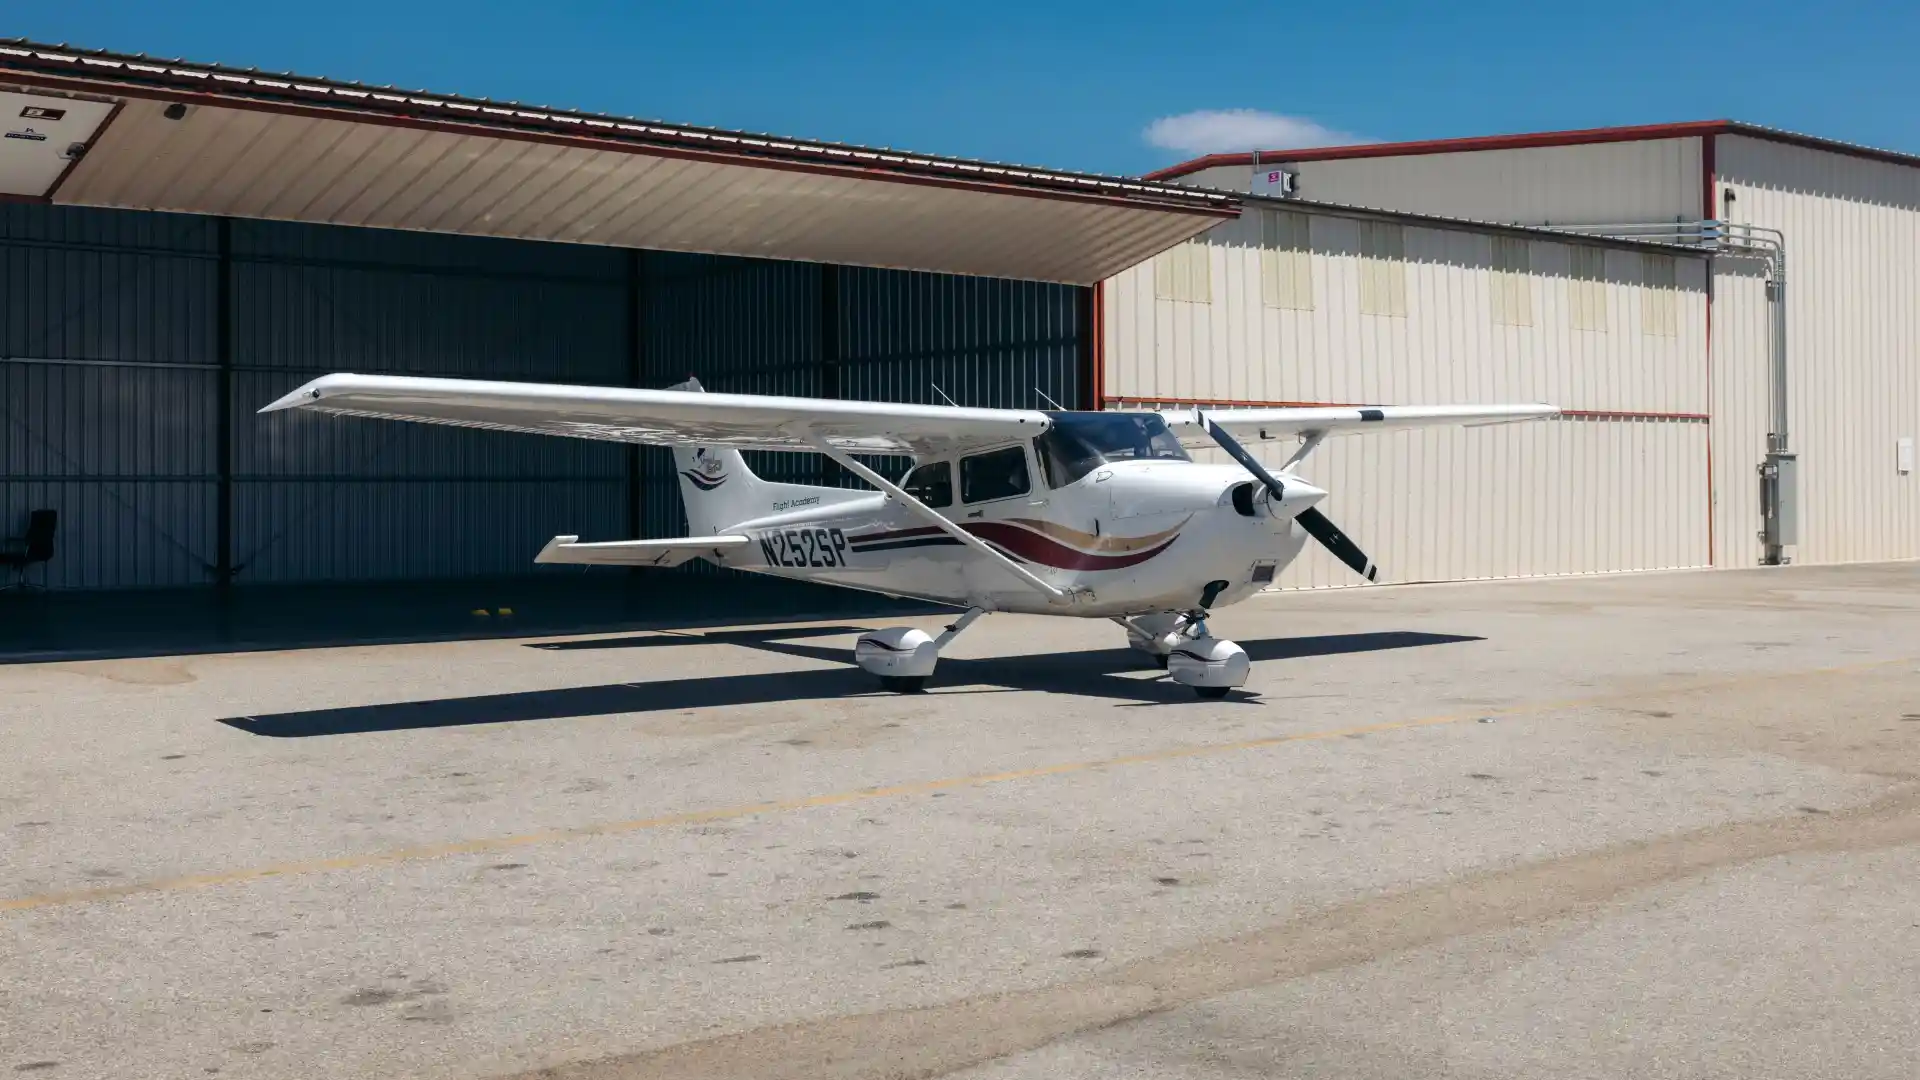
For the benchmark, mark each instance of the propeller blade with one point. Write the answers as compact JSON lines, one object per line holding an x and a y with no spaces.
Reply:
{"x":1310,"y":519}
{"x":1329,"y":534}
{"x":1239,"y":453}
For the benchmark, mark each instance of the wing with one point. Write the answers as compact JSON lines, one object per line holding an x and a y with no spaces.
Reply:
{"x":1266,"y":425}
{"x":670,"y":552}
{"x":665,"y":417}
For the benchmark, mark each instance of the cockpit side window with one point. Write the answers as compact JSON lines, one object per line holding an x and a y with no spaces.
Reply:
{"x":931,"y":483}
{"x":996,"y":474}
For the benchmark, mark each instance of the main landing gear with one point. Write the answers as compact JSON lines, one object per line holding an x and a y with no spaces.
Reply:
{"x":903,"y":656}
{"x":1191,"y":656}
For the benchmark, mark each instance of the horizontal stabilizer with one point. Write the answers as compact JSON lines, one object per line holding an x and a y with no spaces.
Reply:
{"x":668,"y":552}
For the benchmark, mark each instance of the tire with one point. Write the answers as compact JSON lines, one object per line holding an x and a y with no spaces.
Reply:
{"x":1212,"y":693}
{"x":903,"y":684}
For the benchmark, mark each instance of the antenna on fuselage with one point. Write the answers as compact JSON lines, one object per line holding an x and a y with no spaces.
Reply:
{"x":1057,"y":407}
{"x":943,"y":395}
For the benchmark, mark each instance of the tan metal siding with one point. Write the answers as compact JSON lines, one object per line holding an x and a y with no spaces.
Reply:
{"x":1183,"y":272}
{"x":1591,"y":494}
{"x":1853,"y":247}
{"x":1512,"y":281}
{"x":1659,"y":307}
{"x":1286,"y":260}
{"x":1569,"y":496}
{"x":1448,"y":348}
{"x":1383,"y":269}
{"x":1740,"y":336}
{"x":1588,"y":288}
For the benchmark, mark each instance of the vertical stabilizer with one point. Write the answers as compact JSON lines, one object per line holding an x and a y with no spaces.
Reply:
{"x":720,"y":492}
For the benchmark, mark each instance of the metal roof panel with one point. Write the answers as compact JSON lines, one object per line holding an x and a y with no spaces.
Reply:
{"x":305,"y":149}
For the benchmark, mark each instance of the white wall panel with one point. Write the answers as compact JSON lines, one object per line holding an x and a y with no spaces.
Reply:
{"x":1740,"y":337}
{"x":1569,"y":496}
{"x":1853,"y":247}
{"x":1596,"y":493}
{"x":1448,"y":347}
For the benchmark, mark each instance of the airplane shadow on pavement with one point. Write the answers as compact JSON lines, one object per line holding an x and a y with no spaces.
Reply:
{"x":1084,"y":674}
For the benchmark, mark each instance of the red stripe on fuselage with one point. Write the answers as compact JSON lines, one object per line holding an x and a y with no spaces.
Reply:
{"x":1034,"y":547}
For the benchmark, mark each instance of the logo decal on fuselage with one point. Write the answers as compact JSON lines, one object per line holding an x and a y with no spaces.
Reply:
{"x":708,"y":472}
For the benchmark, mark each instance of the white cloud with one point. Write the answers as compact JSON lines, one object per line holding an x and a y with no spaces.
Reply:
{"x":1213,"y":131}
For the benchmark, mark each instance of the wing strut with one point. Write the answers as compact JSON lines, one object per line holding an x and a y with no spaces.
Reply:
{"x":933,"y":516}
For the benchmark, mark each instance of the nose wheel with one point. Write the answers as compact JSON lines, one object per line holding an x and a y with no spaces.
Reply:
{"x":1181,"y":645}
{"x":1211,"y":665}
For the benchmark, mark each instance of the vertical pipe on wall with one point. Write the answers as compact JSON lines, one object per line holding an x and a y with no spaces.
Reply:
{"x":1707,"y":209}
{"x":223,"y":568}
{"x":1780,"y":474}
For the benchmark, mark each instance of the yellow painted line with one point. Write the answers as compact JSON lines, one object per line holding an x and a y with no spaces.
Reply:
{"x":809,"y":802}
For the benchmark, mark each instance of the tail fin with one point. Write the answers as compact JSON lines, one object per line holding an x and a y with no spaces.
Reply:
{"x":720,"y":491}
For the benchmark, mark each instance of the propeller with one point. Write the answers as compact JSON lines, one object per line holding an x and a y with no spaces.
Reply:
{"x":1311,"y":519}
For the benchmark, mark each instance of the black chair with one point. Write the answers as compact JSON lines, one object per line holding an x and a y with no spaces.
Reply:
{"x":36,"y":546}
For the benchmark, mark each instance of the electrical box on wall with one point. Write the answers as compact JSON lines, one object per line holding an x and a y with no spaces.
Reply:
{"x":1903,"y":455}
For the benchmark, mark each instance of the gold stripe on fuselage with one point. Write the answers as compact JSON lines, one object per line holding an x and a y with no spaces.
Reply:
{"x":1106,"y":545}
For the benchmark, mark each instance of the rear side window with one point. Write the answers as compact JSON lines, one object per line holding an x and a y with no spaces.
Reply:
{"x":998,"y":474}
{"x":931,"y":483}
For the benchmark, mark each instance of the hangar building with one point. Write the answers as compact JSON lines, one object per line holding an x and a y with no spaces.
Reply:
{"x":1837,"y":224}
{"x":183,"y":242}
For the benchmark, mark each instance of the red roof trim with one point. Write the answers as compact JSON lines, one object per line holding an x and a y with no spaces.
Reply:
{"x":1448,"y":146}
{"x":1582,"y":137}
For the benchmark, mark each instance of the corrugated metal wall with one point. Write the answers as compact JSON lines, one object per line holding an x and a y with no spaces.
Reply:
{"x":330,"y":499}
{"x":1605,"y":491}
{"x":1655,"y":180}
{"x":115,"y":353}
{"x":1853,"y":332}
{"x":757,"y":327}
{"x":108,"y":391}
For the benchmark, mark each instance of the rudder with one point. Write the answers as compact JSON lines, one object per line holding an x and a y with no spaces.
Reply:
{"x":719,"y":491}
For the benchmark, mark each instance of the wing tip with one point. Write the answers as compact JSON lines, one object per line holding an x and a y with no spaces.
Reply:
{"x":553,"y":547}
{"x":308,"y":392}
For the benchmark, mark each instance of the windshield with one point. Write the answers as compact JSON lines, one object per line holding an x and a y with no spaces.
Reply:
{"x":1078,"y":443}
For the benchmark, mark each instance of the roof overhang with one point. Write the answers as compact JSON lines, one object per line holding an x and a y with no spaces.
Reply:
{"x":1530,"y":140}
{"x":125,"y":131}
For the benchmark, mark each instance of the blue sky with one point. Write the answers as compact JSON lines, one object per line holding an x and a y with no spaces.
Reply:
{"x":1081,"y":85}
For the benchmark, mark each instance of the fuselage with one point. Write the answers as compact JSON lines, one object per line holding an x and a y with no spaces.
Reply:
{"x":1126,"y":538}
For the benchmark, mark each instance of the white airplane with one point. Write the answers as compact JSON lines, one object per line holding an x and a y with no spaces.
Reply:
{"x":1099,"y":515}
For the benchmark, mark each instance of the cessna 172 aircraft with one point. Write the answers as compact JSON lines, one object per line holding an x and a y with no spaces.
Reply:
{"x":1086,"y":514}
